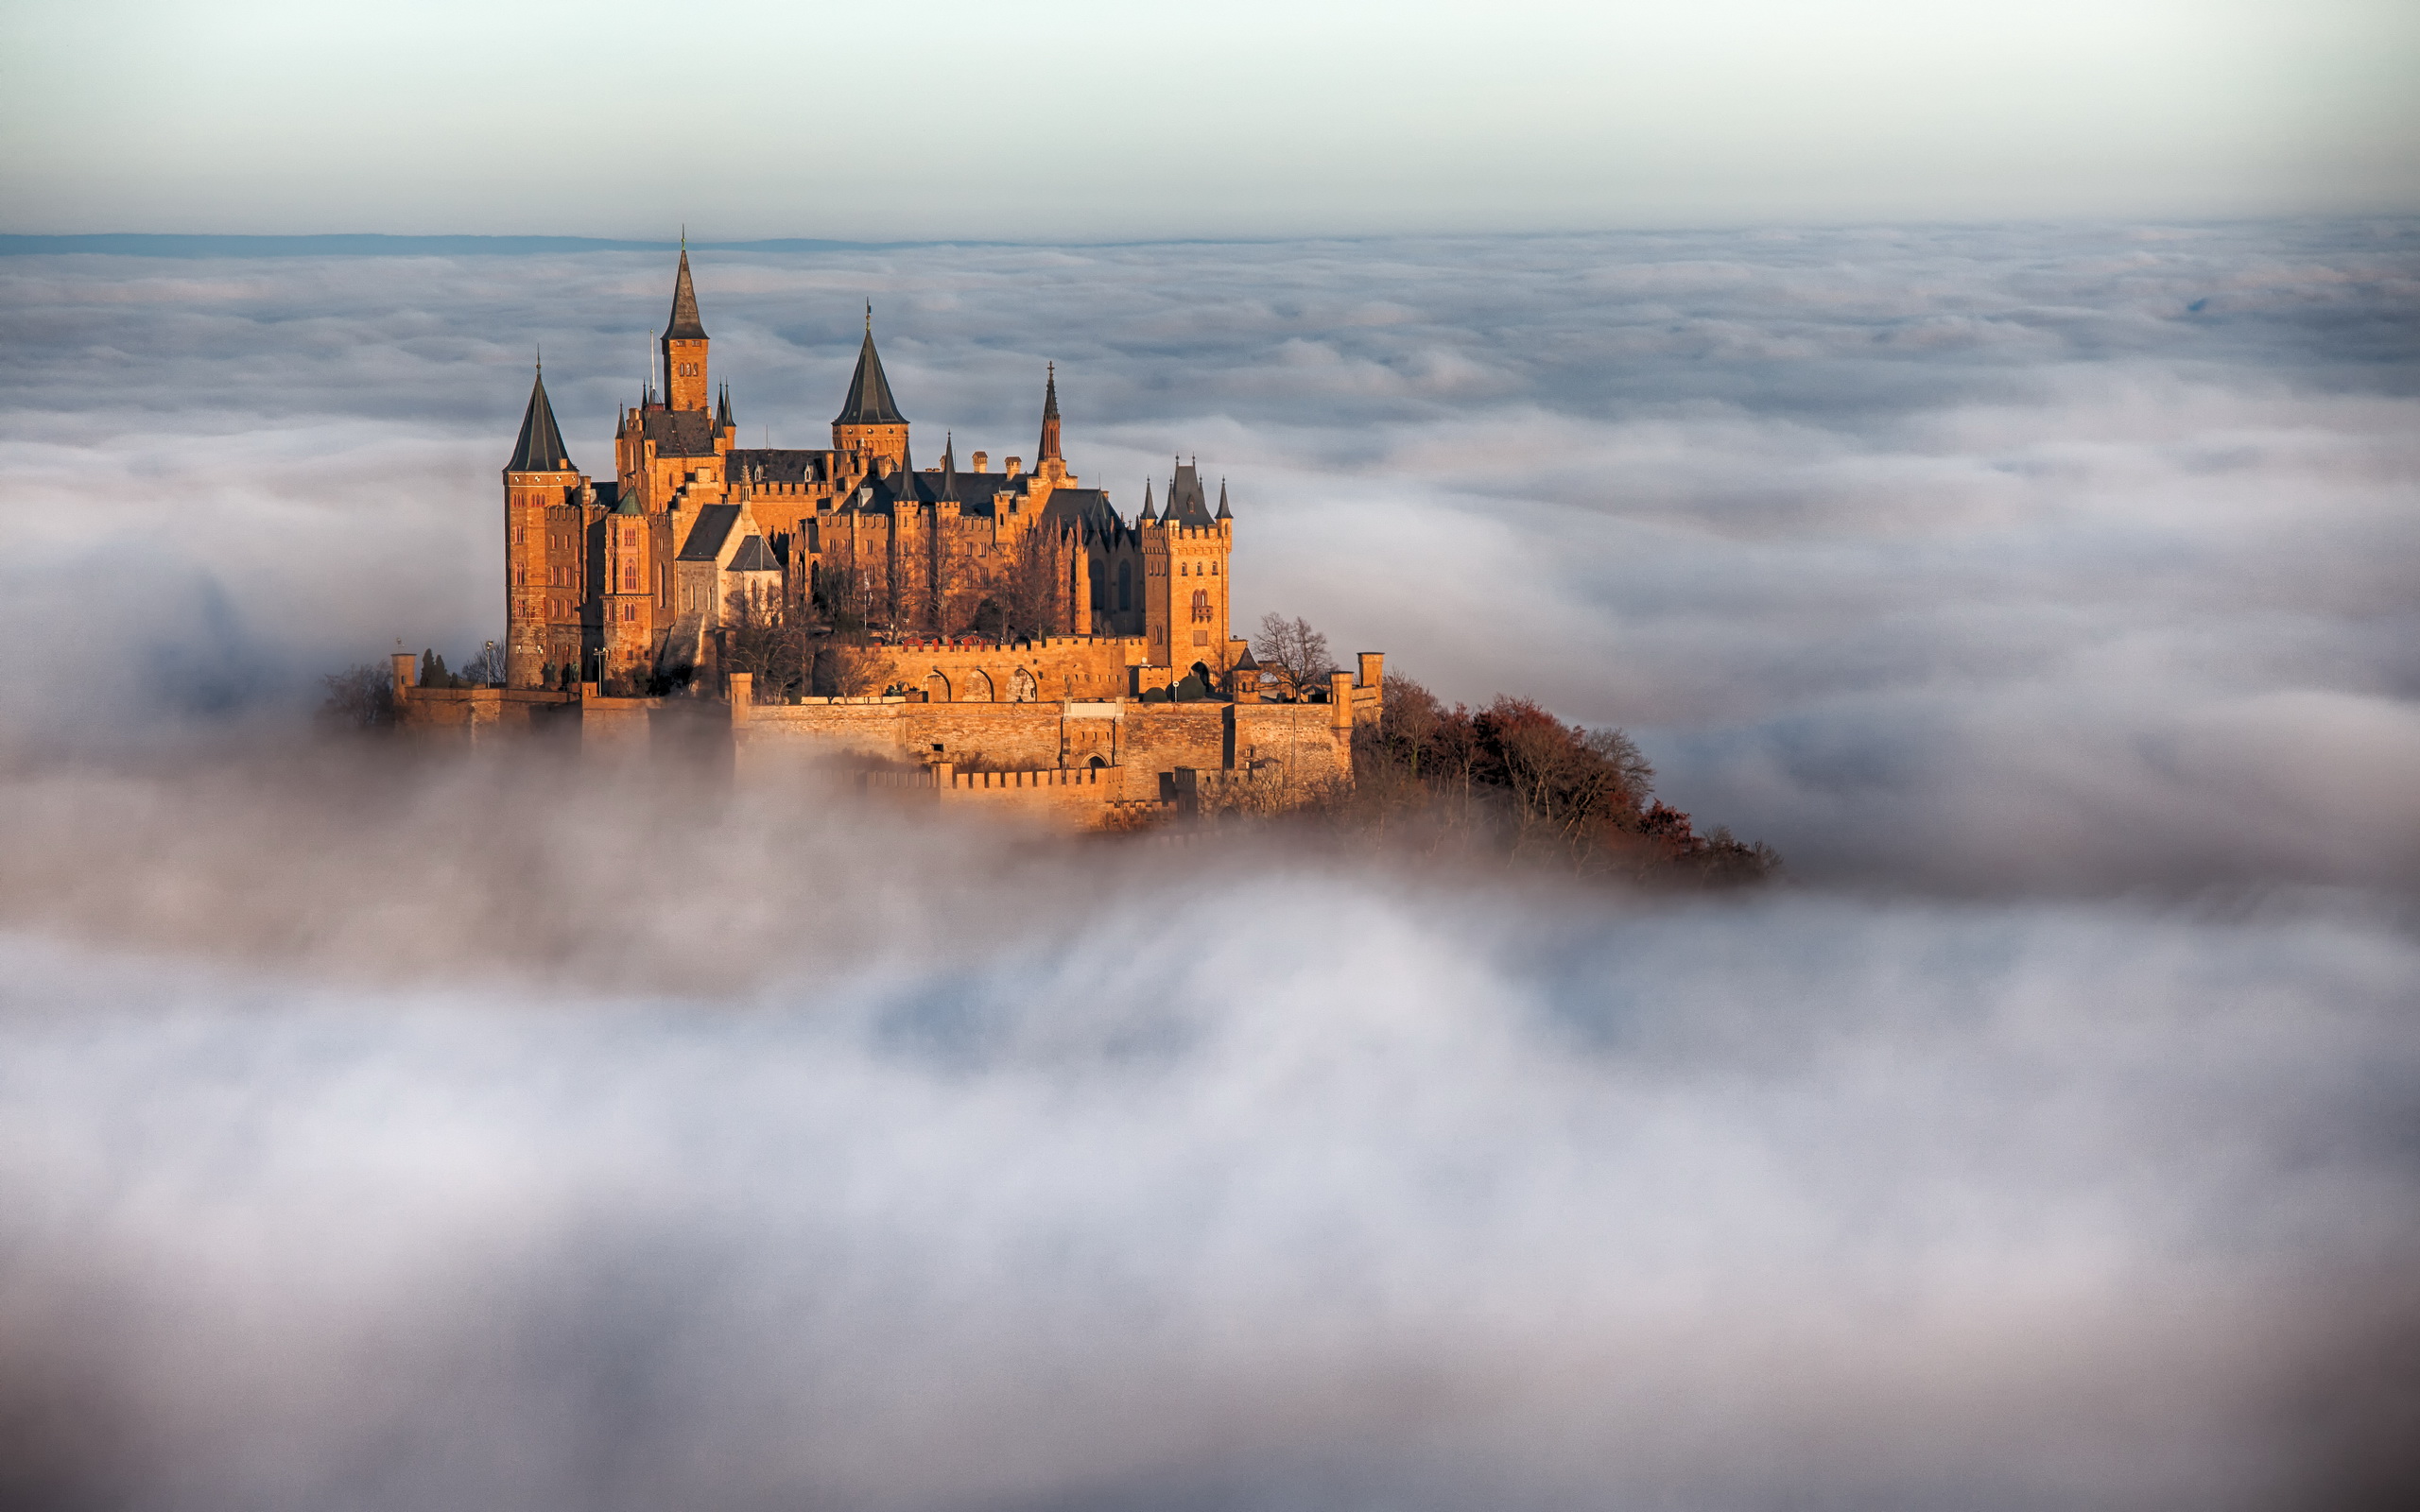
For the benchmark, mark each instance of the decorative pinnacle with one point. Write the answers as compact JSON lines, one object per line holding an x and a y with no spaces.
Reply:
{"x":868,"y":316}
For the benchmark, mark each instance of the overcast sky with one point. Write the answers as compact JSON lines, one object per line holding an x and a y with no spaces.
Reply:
{"x":1087,"y":119}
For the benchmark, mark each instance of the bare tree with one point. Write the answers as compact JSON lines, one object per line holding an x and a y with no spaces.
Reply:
{"x":359,"y":697}
{"x":772,"y":647}
{"x":1026,"y":592}
{"x":848,"y":668}
{"x":485,"y":669}
{"x":1297,"y":653}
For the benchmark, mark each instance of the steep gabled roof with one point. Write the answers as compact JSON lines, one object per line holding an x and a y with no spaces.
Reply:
{"x":868,"y":400}
{"x":711,"y":529}
{"x":684,"y":325}
{"x":754,"y":556}
{"x":540,"y":447}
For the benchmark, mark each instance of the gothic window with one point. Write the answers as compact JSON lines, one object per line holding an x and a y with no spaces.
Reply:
{"x":1125,"y":586}
{"x":1202,"y":606}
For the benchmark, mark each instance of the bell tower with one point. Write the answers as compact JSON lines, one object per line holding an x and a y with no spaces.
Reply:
{"x":685,"y":344}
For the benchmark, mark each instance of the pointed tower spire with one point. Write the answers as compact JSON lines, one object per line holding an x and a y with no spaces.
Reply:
{"x":1145,"y":518}
{"x":722,"y":410}
{"x":1049,"y":449}
{"x":1223,"y":513}
{"x":685,"y":343}
{"x":540,"y":447}
{"x":868,"y":400}
{"x":949,"y":468}
{"x":685,"y":325}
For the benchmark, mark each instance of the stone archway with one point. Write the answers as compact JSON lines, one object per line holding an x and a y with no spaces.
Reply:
{"x":1022,"y":688}
{"x":977,"y":688}
{"x":935,"y":686}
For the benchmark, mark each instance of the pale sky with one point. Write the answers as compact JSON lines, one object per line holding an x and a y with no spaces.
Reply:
{"x":1074,"y":119}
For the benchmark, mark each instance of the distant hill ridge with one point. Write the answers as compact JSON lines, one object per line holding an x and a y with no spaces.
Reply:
{"x":142,"y":244}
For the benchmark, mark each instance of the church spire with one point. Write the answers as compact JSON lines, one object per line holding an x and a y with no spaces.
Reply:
{"x":1223,"y":513}
{"x":540,"y":447}
{"x":1049,"y":450}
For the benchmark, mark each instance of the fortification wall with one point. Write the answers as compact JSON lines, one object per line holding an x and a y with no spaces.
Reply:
{"x":1062,"y":667}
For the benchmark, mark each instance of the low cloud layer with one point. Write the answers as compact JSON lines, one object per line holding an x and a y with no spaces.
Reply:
{"x":1977,"y":557}
{"x":434,"y":1162}
{"x":514,"y":1132}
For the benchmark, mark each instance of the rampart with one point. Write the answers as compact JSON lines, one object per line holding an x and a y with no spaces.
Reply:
{"x":1077,"y":762}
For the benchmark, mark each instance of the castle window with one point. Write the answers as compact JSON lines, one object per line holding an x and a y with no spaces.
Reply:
{"x":1214,"y":569}
{"x":1202,"y":606}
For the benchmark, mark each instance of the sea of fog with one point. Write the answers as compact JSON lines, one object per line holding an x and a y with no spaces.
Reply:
{"x":504,"y":1131}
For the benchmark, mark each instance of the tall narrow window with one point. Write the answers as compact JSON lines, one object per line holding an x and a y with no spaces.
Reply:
{"x":1202,"y":606}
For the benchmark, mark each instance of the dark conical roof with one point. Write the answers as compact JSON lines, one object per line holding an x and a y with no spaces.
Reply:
{"x":684,"y":326}
{"x":1050,"y":394}
{"x":868,"y":399}
{"x":1225,"y":513}
{"x":540,"y":447}
{"x":1145,"y":518}
{"x":948,"y":489}
{"x":722,"y":409}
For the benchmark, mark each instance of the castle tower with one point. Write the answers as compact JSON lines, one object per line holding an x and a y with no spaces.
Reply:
{"x":626,"y":593}
{"x":684,"y":345}
{"x":1187,"y":559}
{"x":538,"y":478}
{"x":868,"y":422}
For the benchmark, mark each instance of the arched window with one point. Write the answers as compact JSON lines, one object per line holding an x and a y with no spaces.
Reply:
{"x":1125,"y":586}
{"x":1022,"y":688}
{"x":1202,"y":606}
{"x":978,"y":687}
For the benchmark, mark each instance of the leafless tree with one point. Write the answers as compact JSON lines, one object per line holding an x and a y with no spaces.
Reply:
{"x":846,"y":667}
{"x":1025,"y":592}
{"x":772,"y":647}
{"x":485,"y":669}
{"x":359,"y":697}
{"x":1297,"y":653}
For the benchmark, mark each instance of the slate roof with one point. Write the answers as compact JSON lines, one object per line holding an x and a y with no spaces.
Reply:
{"x":1186,"y":506}
{"x":1225,"y":513}
{"x":778,"y":465}
{"x":753,"y":557}
{"x":677,"y":432}
{"x":1088,"y":507}
{"x":868,"y":400}
{"x":540,"y":447}
{"x":711,"y":529}
{"x":684,"y":326}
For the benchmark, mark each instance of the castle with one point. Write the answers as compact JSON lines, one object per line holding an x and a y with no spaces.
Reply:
{"x":1017,"y":623}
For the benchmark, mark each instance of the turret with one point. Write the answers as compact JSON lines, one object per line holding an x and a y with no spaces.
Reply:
{"x":870,"y":421}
